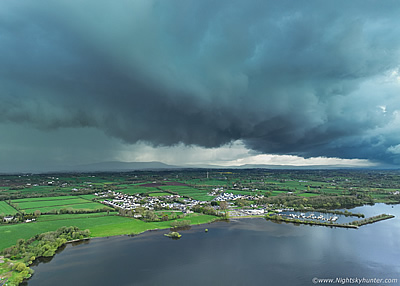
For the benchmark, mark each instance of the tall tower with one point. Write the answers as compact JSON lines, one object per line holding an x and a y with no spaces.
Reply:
{"x":207,"y":174}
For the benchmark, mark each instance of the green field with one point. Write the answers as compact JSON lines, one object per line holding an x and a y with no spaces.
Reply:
{"x":238,"y":192}
{"x":43,"y":218}
{"x":275,"y":193}
{"x":159,"y":194}
{"x":132,"y":189}
{"x":11,"y":233}
{"x":99,"y":226}
{"x":88,"y":197}
{"x":168,"y":212}
{"x":49,"y":203}
{"x":296,"y":185}
{"x":189,"y":192}
{"x":137,"y":226}
{"x":206,"y":182}
{"x":88,"y":206}
{"x":6,"y":209}
{"x":56,"y":203}
{"x":40,"y":190}
{"x":331,"y":191}
{"x":308,"y":195}
{"x":60,"y":198}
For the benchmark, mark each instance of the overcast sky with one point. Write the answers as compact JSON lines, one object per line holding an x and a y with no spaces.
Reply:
{"x":192,"y":82}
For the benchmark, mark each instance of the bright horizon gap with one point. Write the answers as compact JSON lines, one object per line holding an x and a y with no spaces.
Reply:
{"x":233,"y":154}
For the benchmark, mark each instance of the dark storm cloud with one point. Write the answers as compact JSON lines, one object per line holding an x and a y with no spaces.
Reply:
{"x":312,"y":78}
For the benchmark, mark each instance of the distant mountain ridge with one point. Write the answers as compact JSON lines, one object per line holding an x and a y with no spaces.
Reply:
{"x":118,"y":166}
{"x":111,"y":166}
{"x":121,"y":166}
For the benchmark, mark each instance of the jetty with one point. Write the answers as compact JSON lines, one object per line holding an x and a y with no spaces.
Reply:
{"x":293,"y":218}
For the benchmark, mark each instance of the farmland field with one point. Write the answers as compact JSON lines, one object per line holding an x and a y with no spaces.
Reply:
{"x":137,"y":226}
{"x":6,"y":209}
{"x":88,"y":197}
{"x":206,"y":182}
{"x":72,"y":216}
{"x":308,"y":195}
{"x":11,"y":233}
{"x":99,"y":227}
{"x":39,"y":190}
{"x":275,"y":193}
{"x":189,"y":192}
{"x":135,"y":189}
{"x":161,"y":188}
{"x":60,"y":198}
{"x":293,"y":188}
{"x":48,"y":203}
{"x":159,"y":194}
{"x":56,"y":203}
{"x":238,"y":192}
{"x":88,"y":206}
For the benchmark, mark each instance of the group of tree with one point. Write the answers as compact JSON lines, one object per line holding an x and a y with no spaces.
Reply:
{"x":395,"y":198}
{"x":45,"y":244}
{"x":24,"y":252}
{"x":223,"y":206}
{"x":76,"y":211}
{"x":20,"y":217}
{"x":242,"y":202}
{"x":180,"y":223}
{"x":204,"y":209}
{"x":148,"y":215}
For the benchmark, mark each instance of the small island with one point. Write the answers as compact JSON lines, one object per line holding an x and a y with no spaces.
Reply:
{"x":173,"y":235}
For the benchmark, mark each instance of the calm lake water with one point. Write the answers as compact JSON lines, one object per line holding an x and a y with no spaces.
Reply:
{"x":241,"y":252}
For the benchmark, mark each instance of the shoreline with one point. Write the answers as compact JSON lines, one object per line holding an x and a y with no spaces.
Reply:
{"x":240,"y":218}
{"x":374,"y":219}
{"x":198,"y":233}
{"x":149,"y":230}
{"x":353,"y":225}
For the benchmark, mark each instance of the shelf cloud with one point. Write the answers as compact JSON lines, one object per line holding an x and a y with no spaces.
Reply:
{"x":304,"y":78}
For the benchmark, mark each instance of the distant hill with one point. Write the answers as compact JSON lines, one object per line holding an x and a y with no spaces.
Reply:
{"x":120,"y":166}
{"x":291,"y":167}
{"x":288,"y":167}
{"x":112,"y":166}
{"x":117,"y":166}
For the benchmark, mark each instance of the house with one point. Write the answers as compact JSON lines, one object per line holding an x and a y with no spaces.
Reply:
{"x":8,"y":218}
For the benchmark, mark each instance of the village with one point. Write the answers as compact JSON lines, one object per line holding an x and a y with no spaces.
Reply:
{"x":127,"y":202}
{"x":130,"y":202}
{"x":174,"y":202}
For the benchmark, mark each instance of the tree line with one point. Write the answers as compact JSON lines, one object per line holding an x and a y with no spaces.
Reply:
{"x":24,"y":252}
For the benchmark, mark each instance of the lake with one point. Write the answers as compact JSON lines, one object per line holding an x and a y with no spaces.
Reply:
{"x":239,"y":252}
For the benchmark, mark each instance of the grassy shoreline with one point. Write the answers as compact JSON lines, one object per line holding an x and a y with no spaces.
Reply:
{"x":121,"y":229}
{"x":17,"y":259}
{"x":7,"y":273}
{"x":100,"y":226}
